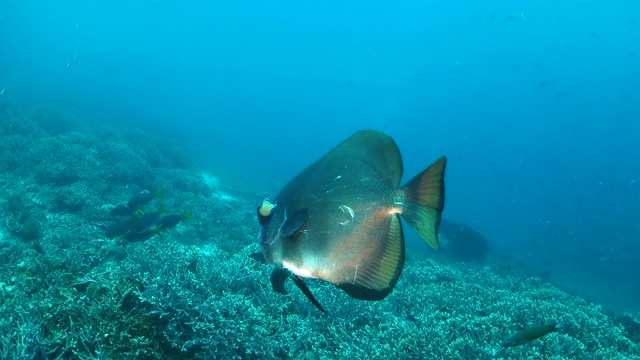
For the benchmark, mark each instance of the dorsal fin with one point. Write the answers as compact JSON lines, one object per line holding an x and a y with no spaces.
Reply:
{"x":375,"y":149}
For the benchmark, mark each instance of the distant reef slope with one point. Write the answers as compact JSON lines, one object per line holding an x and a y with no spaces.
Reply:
{"x":70,"y":292}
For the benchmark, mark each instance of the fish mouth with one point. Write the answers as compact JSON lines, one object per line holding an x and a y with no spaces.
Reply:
{"x":265,"y":239}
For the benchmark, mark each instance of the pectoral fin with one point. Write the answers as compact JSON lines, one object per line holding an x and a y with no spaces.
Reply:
{"x":295,"y":224}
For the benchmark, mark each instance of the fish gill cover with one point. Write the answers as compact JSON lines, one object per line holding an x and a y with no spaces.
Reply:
{"x":194,"y":292}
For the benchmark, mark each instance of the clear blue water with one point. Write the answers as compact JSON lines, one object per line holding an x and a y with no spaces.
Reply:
{"x":536,"y":104}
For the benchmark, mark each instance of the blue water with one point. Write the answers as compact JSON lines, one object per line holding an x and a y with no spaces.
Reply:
{"x":536,"y":104}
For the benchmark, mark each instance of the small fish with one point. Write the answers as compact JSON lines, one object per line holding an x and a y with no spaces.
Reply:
{"x":121,"y":210}
{"x":348,"y":84}
{"x":146,"y":222}
{"x":532,"y":333}
{"x":119,"y":228}
{"x":143,"y":198}
{"x":144,"y":227}
{"x":134,"y":235}
{"x":516,"y":17}
{"x":169,"y":221}
{"x":545,"y":83}
{"x":339,"y":219}
{"x":2,"y":91}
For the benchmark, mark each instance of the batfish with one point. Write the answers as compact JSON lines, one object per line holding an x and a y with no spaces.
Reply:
{"x":339,"y":219}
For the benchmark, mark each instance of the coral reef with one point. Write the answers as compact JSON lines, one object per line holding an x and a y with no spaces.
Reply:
{"x":631,"y":325}
{"x":193,"y":293}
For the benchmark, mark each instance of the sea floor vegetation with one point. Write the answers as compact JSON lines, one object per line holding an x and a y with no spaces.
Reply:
{"x":69,"y":292}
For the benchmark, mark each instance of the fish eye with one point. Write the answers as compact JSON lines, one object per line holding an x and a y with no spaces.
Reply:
{"x":265,"y":212}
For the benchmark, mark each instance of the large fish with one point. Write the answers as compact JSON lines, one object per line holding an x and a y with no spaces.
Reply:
{"x":338,"y":220}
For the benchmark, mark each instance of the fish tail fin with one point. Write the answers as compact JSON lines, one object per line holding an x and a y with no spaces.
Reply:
{"x":523,"y":16}
{"x":424,"y":201}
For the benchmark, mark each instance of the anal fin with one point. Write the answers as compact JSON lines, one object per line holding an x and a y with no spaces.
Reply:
{"x":381,"y":270}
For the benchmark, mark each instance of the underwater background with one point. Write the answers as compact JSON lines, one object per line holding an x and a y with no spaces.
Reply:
{"x":216,"y":105}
